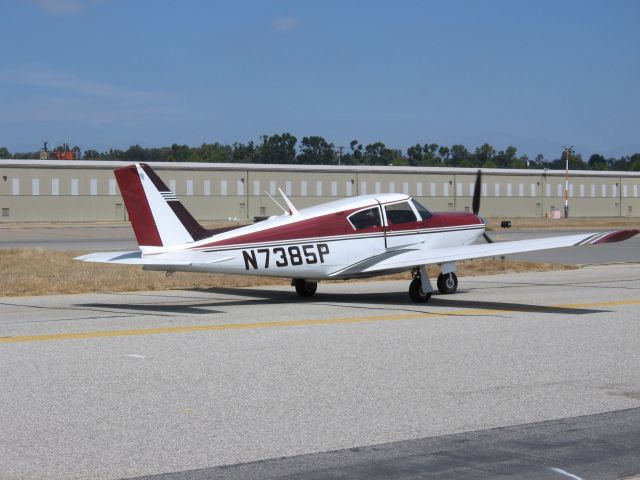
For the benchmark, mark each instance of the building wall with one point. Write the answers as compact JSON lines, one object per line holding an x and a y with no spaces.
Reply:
{"x":53,"y":190}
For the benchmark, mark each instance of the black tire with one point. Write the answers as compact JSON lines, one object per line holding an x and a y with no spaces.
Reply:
{"x":447,"y":283}
{"x":416,"y":293}
{"x":305,"y":289}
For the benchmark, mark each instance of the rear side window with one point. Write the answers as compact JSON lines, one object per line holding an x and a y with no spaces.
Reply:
{"x":366,"y":218}
{"x":400,"y":213}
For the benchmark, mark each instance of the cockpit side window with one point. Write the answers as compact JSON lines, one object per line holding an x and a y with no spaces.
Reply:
{"x":366,"y":218}
{"x":400,"y":213}
{"x":422,"y":210}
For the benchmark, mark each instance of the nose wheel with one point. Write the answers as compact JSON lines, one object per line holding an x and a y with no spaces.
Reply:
{"x":447,"y":283}
{"x":420,"y":288}
{"x":416,"y":293}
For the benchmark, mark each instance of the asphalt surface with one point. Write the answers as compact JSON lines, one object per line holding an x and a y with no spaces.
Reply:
{"x":356,"y":383}
{"x":546,"y":450}
{"x":68,"y":237}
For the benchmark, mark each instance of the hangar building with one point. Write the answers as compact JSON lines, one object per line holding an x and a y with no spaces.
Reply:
{"x":59,"y":190}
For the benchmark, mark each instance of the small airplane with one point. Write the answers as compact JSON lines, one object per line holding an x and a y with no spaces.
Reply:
{"x":351,"y":238}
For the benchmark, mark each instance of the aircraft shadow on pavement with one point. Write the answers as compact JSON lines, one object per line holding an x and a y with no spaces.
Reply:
{"x":205,"y":305}
{"x":448,"y":301}
{"x":164,"y":303}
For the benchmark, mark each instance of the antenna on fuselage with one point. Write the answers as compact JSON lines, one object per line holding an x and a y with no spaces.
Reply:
{"x":286,"y":212}
{"x":292,"y":210}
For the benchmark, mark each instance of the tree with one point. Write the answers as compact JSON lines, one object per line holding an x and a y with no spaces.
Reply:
{"x":181,"y":153}
{"x":597,"y":162}
{"x":91,"y":155}
{"x":214,"y":153}
{"x":277,"y":149}
{"x":538,"y":161}
{"x":243,"y":153}
{"x":135,"y":153}
{"x":576,"y":162}
{"x":397,"y":159}
{"x":316,"y":151}
{"x":485,"y":153}
{"x":521,"y":162}
{"x":621,"y":163}
{"x":505,"y":158}
{"x":4,"y":153}
{"x":444,"y":154}
{"x":355,"y":157}
{"x":458,"y":154}
{"x":159,"y":154}
{"x":112,"y":154}
{"x":491,"y":163}
{"x":429,"y":154}
{"x":378,"y":154}
{"x":634,"y":162}
{"x":415,"y":156}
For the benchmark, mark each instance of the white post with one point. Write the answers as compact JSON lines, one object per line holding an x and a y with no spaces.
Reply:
{"x":567,"y":150}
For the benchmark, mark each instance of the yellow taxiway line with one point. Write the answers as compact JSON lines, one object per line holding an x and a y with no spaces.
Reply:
{"x":288,"y":323}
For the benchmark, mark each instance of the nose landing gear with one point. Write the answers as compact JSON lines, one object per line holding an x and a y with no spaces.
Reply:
{"x":420,"y":288}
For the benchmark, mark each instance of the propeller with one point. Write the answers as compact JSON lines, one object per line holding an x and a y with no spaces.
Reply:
{"x":475,"y":205}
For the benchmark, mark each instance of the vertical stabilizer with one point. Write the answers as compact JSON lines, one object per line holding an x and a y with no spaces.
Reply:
{"x":157,"y":216}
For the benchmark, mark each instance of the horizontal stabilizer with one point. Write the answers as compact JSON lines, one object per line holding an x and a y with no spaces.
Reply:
{"x":166,"y":259}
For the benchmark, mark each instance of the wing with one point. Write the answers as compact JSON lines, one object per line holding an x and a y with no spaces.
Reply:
{"x":409,"y":258}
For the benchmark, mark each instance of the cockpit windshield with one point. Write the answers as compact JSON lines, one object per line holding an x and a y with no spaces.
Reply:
{"x":422,"y":210}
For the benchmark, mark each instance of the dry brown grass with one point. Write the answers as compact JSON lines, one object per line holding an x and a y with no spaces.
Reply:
{"x":44,"y":272}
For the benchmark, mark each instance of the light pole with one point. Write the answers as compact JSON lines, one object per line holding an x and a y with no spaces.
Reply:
{"x":567,"y":152}
{"x":340,"y":155}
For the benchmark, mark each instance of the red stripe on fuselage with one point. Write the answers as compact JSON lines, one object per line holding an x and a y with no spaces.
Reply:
{"x":336,"y":224}
{"x":137,"y":205}
{"x":454,"y":219}
{"x":316,"y":227}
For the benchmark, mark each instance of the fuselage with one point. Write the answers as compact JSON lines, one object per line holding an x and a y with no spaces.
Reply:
{"x":318,"y":242}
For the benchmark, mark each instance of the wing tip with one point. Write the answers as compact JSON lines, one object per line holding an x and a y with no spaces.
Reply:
{"x":615,"y":236}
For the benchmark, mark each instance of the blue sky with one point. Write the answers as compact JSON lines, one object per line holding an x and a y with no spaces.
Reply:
{"x":111,"y":73}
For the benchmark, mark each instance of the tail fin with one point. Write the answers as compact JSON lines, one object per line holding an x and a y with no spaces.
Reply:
{"x":157,"y":216}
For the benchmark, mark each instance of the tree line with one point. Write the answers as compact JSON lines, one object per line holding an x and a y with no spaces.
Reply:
{"x":315,"y":150}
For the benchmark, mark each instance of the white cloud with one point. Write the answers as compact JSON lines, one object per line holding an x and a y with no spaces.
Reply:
{"x":66,"y":7}
{"x":79,"y":113}
{"x":45,"y":76}
{"x":56,"y":95}
{"x":285,"y":24}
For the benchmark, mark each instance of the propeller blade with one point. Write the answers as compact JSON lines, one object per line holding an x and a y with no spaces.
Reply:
{"x":477,"y":190}
{"x":487,"y":238}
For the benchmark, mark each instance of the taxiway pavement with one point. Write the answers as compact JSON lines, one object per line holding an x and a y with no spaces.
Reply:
{"x":182,"y":382}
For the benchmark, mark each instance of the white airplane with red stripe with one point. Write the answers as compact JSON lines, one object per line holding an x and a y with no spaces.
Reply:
{"x":356,"y":237}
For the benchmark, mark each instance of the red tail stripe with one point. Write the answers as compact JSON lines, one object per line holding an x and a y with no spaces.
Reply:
{"x":137,"y":206}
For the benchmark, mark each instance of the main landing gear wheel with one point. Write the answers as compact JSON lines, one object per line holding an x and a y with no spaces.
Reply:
{"x":447,"y":282}
{"x":416,"y":293}
{"x":304,"y":288}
